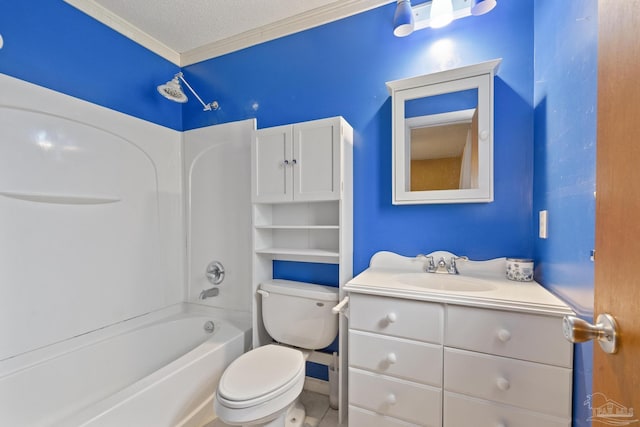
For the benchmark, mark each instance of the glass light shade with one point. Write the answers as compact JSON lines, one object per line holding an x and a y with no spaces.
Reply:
{"x":480,"y":7}
{"x":441,"y":13}
{"x":403,"y":22}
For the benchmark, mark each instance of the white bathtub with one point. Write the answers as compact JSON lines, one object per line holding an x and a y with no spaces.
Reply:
{"x":157,"y":370}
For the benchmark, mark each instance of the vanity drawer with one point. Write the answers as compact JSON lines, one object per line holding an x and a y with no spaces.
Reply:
{"x":528,"y":385}
{"x":399,"y":317}
{"x":359,"y":417}
{"x":412,"y":402}
{"x":466,"y":411}
{"x":518,"y":335}
{"x":410,"y":360}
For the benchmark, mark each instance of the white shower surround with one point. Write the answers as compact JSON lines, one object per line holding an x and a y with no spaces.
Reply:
{"x":68,"y":268}
{"x":94,"y":222}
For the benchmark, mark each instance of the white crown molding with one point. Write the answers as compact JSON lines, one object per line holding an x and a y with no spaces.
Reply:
{"x":285,"y":27}
{"x":125,"y":28}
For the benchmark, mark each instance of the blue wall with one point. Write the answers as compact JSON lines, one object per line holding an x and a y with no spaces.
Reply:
{"x":564,"y":176}
{"x":54,"y":45}
{"x":341,"y":69}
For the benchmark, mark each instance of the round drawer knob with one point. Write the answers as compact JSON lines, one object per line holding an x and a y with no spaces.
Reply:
{"x":391,"y":399}
{"x":504,"y":335}
{"x":503,"y":384}
{"x":391,"y":317}
{"x":391,"y":358}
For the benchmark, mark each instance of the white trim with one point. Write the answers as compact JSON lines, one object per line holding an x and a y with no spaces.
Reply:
{"x":115,"y":22}
{"x":285,"y":27}
{"x":316,"y":385}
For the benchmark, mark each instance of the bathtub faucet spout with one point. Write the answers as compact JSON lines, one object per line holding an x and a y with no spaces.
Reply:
{"x":207,"y":293}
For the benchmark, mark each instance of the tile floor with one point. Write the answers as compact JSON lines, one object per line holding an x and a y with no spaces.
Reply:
{"x":317,"y":408}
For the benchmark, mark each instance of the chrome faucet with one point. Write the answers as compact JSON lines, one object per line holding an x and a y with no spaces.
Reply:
{"x":208,"y":293}
{"x":442,"y":266}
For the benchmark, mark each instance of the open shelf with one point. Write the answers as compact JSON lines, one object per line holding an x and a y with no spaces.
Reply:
{"x":298,"y":227}
{"x":308,"y":255}
{"x":301,"y":252}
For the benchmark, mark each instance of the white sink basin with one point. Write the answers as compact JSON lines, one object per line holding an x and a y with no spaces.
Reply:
{"x":446,"y":282}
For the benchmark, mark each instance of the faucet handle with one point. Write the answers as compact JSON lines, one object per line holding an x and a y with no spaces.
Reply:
{"x":431,"y":265}
{"x":451,"y":268}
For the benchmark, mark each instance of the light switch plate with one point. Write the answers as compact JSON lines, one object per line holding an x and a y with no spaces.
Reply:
{"x":542,"y":233}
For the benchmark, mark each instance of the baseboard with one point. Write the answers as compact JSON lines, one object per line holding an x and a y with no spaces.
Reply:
{"x":317,"y":386}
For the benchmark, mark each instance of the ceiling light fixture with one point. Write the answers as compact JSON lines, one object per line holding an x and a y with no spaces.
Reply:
{"x":435,"y":13}
{"x":441,"y":13}
{"x":480,"y":7}
{"x":172,"y":90}
{"x":403,"y":21}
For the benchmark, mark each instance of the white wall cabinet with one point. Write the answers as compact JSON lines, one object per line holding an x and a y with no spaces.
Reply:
{"x":431,"y":364}
{"x":299,"y":162}
{"x":302,"y":193}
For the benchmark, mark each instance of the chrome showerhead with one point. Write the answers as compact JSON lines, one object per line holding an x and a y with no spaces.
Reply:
{"x":172,"y":90}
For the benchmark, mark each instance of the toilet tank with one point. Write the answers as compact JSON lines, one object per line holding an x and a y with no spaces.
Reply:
{"x":299,"y":314}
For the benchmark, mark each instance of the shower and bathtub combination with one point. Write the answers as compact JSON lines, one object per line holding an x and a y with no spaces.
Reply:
{"x":100,"y":315}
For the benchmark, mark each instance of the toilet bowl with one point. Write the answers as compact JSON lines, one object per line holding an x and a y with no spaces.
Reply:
{"x":261,"y":387}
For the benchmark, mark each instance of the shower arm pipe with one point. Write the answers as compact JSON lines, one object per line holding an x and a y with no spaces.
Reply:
{"x":207,"y":107}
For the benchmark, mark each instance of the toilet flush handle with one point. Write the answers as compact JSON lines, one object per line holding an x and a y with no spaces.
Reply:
{"x":340,"y":307}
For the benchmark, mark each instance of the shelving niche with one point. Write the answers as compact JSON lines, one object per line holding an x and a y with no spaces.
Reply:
{"x":298,"y":231}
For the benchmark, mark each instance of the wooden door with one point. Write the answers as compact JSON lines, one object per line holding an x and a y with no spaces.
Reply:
{"x":616,"y":377}
{"x":271,"y":165}
{"x":316,"y":153}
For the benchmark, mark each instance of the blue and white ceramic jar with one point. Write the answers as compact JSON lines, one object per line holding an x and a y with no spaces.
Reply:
{"x":520,"y":269}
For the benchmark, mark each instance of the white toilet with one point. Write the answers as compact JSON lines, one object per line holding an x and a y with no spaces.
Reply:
{"x":261,"y":387}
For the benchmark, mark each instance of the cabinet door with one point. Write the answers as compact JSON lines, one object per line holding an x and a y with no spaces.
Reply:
{"x":271,"y":155}
{"x":316,"y":160}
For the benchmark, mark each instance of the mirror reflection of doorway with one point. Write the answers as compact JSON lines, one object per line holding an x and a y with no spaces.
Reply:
{"x":444,"y":151}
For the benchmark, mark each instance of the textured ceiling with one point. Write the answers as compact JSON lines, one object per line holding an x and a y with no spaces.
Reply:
{"x":184,"y":25}
{"x":187,"y":31}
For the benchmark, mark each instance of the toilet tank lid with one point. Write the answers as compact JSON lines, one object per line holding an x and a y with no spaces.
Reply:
{"x":300,"y":289}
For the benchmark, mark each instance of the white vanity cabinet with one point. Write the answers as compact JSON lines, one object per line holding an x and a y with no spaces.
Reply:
{"x":298,"y":162}
{"x":395,"y":362}
{"x":426,"y":363}
{"x":506,"y":368}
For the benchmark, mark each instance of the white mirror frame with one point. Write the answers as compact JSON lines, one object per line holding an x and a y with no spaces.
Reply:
{"x":478,"y":76}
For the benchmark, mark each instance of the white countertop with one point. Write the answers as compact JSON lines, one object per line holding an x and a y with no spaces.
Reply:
{"x":393,"y":275}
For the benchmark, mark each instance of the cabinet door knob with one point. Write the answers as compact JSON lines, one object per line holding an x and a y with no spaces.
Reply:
{"x":294,"y":161}
{"x":286,"y":163}
{"x":391,"y":317}
{"x":504,"y":335}
{"x":391,"y":358}
{"x":503,"y":384}
{"x":391,"y":399}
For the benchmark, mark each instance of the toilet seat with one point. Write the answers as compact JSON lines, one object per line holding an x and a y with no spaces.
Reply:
{"x":261,"y":375}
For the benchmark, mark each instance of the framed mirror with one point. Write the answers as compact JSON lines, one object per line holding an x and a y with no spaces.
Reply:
{"x":443,"y":136}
